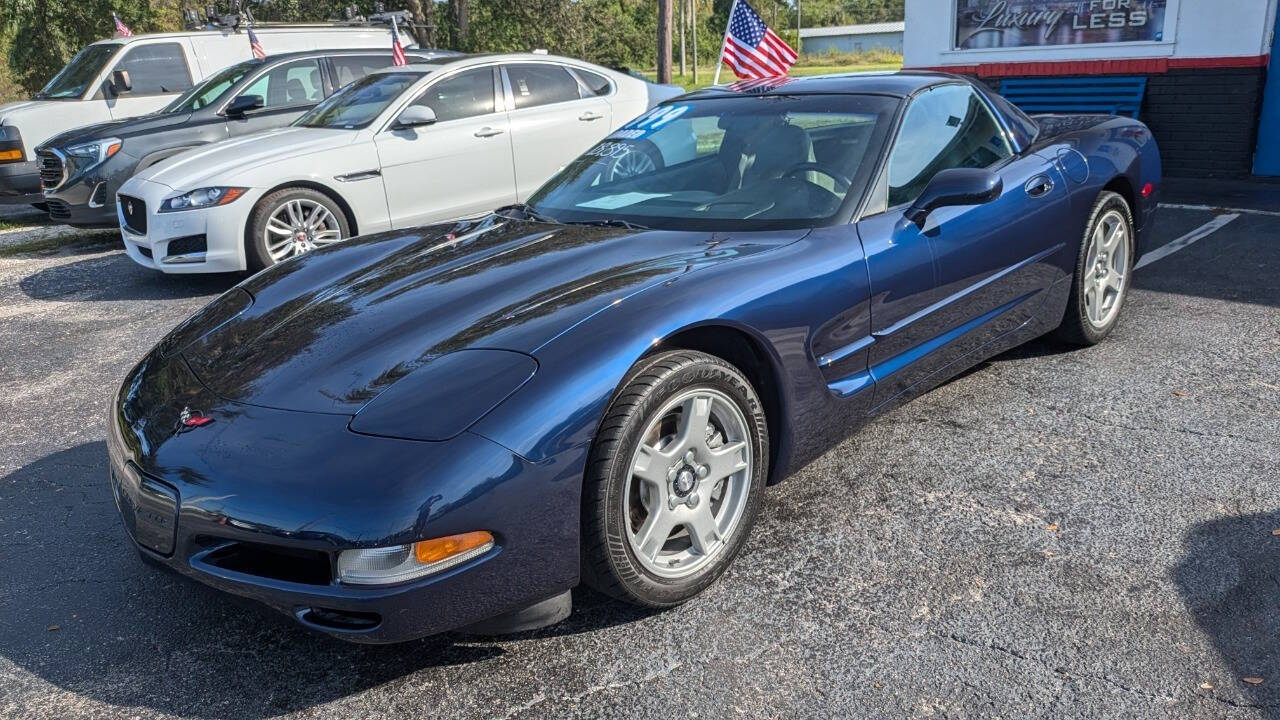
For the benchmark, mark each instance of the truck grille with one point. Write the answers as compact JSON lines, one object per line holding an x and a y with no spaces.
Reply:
{"x":52,"y":170}
{"x":134,"y":212}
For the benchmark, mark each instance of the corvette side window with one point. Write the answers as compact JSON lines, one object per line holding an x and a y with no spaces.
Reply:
{"x":947,"y":127}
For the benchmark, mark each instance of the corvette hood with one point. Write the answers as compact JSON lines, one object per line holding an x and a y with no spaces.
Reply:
{"x":226,"y":162}
{"x":329,"y":331}
{"x":123,"y":129}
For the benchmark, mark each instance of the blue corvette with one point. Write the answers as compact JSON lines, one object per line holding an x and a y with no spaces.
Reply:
{"x":452,"y":426}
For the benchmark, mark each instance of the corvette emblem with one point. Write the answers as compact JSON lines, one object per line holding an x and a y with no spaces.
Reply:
{"x":192,"y":419}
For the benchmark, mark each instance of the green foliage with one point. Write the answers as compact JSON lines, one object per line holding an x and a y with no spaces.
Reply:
{"x":37,"y":37}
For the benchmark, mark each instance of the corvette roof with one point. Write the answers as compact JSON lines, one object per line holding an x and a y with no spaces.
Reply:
{"x":897,"y":84}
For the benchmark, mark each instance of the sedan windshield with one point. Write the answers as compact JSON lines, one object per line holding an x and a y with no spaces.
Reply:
{"x":74,"y":78}
{"x":754,"y":162}
{"x":211,"y":90}
{"x":359,"y":103}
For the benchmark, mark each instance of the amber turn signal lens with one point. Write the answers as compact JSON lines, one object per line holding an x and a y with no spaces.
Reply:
{"x":433,"y":551}
{"x":10,"y":155}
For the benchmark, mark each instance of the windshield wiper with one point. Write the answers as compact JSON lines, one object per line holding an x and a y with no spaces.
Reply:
{"x":610,"y":223}
{"x":528,"y":212}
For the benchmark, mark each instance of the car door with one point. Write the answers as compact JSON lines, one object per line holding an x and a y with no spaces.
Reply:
{"x":554,"y":118}
{"x":967,"y":274}
{"x":287,"y":90}
{"x":459,"y":166}
{"x":158,"y":71}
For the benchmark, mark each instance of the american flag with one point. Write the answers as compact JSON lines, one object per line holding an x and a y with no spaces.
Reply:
{"x":256,"y":46}
{"x":121,"y":29}
{"x":751,"y":49}
{"x":397,"y":51}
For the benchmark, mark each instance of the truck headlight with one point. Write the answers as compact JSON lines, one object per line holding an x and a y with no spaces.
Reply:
{"x":94,"y":153}
{"x":204,"y":197}
{"x":400,"y":563}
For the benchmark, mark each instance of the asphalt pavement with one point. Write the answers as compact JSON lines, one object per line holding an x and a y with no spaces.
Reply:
{"x":1058,"y":533}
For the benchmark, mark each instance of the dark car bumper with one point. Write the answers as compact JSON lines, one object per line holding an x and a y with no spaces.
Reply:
{"x":20,"y":183}
{"x":88,"y":199}
{"x":260,"y":502}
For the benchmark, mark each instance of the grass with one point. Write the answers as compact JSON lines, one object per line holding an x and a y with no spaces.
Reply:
{"x":823,"y":64}
{"x":78,"y":241}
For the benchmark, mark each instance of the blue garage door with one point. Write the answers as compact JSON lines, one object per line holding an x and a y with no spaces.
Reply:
{"x":1267,"y":159}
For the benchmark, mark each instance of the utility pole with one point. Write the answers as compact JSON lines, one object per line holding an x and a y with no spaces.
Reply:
{"x":799,"y":42}
{"x":693,"y":24}
{"x":664,"y":41}
{"x":683,"y":22}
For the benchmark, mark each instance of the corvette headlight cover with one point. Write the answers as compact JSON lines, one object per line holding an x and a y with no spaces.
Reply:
{"x":400,"y":563}
{"x":93,"y":153}
{"x":441,"y":399}
{"x":204,"y":197}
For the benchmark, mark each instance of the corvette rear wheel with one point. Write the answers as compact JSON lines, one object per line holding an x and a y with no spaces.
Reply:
{"x":290,"y":222}
{"x":1104,"y":272}
{"x":675,"y":479}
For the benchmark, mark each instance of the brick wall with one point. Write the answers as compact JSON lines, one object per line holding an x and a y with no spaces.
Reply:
{"x":1205,"y":120}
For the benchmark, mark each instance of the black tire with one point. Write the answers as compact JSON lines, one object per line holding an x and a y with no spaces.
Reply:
{"x":609,"y":563}
{"x":255,"y":249}
{"x":1076,"y":327}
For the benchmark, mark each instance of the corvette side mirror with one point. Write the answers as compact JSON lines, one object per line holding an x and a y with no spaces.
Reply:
{"x":121,"y":83}
{"x":243,"y":104}
{"x":415,"y":116}
{"x":955,"y":186}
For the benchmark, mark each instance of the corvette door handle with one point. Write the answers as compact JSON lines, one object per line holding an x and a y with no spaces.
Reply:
{"x":588,"y":116}
{"x":1039,"y":186}
{"x":489,"y":131}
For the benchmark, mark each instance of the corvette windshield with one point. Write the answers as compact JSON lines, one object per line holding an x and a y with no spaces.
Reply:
{"x":751,"y":162}
{"x":74,"y":78}
{"x":359,"y":103}
{"x":209,"y":91}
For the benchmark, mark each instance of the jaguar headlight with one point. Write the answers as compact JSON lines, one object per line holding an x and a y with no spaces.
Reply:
{"x":94,"y":153}
{"x":202,"y":198}
{"x":401,"y":563}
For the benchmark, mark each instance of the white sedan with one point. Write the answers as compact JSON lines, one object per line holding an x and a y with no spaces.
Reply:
{"x":401,"y":147}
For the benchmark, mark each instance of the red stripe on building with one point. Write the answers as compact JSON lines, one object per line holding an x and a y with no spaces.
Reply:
{"x":1127,"y":66}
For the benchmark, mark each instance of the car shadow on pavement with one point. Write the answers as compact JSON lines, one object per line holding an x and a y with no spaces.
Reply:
{"x":81,"y":611}
{"x":115,"y":277}
{"x":1229,"y":577}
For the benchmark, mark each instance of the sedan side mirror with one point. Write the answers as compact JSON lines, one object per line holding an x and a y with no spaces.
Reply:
{"x":243,"y":104}
{"x":414,"y":116}
{"x":120,"y":82}
{"x":955,"y":186}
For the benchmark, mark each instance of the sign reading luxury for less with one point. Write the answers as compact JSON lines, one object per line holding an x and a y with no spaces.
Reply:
{"x":1022,"y":23}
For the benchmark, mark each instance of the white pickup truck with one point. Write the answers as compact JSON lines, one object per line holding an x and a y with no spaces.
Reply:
{"x":128,"y":76}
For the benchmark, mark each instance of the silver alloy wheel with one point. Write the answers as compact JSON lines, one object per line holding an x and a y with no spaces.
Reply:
{"x":630,"y":164}
{"x":297,"y":226}
{"x":1106,"y":269}
{"x":689,"y":483}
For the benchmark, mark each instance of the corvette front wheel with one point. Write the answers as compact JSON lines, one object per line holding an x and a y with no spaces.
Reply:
{"x":675,"y":479}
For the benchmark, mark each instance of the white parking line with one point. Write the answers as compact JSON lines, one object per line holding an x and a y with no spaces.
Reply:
{"x":1204,"y":230}
{"x":1210,"y":208}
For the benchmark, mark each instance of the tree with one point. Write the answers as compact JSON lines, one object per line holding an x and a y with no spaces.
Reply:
{"x":664,"y":41}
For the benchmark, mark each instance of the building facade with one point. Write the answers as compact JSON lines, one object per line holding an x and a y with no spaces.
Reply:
{"x":852,"y":38}
{"x":1202,"y":64}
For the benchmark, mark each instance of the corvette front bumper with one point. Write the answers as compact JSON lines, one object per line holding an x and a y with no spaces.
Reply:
{"x":259,"y":503}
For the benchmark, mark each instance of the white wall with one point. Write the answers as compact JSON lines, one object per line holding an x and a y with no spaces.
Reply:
{"x":1193,"y":28}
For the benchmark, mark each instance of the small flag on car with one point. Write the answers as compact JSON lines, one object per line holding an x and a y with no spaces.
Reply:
{"x":121,"y":29}
{"x":751,"y":49}
{"x":256,"y":46}
{"x":397,"y":52}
